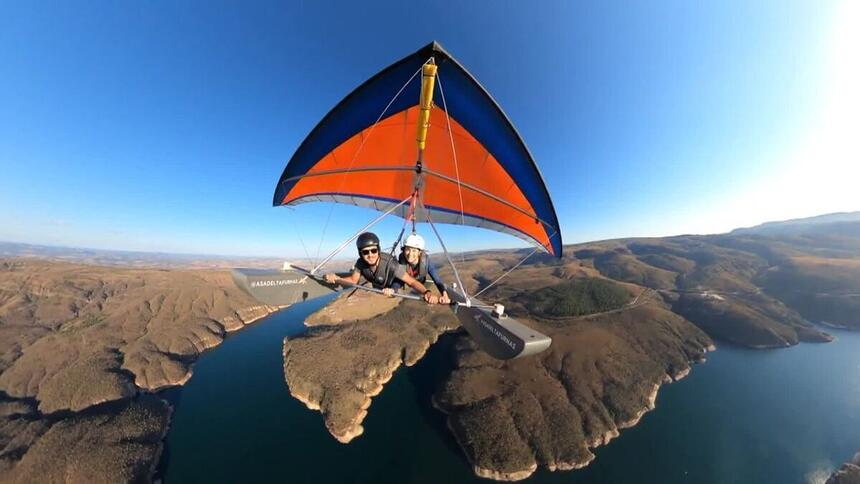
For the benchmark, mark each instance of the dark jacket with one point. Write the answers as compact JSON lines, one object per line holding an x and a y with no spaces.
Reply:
{"x":387,"y":272}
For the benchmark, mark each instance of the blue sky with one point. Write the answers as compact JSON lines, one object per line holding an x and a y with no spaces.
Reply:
{"x":163,"y":126}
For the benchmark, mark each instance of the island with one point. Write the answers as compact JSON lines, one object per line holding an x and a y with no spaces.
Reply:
{"x":353,"y":348}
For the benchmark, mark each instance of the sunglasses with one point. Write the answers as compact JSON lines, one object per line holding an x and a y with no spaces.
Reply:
{"x":369,"y":251}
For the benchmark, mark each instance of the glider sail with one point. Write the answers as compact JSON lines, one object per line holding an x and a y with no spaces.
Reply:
{"x":471,"y":168}
{"x":474,"y":169}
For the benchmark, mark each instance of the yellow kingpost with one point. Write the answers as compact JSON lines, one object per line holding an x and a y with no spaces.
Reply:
{"x":428,"y":80}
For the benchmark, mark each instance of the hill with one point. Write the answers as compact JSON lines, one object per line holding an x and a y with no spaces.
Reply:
{"x":79,"y":342}
{"x":820,"y":224}
{"x":82,"y":345}
{"x":603,"y":369}
{"x":625,"y":316}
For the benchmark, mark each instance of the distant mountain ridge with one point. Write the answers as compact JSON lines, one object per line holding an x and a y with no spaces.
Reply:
{"x":164,"y":260}
{"x":849,"y":221}
{"x":799,"y":225}
{"x":128,"y":257}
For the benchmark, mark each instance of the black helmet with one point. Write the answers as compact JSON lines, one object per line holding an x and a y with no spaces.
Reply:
{"x":367,"y":239}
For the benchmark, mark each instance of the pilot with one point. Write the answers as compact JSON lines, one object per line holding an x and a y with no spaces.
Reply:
{"x":380,"y":269}
{"x":415,"y":260}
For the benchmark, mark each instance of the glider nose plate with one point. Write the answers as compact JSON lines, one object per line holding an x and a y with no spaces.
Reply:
{"x":502,"y":338}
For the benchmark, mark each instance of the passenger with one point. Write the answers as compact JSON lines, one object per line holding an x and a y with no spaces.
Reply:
{"x":380,"y":269}
{"x":418,"y":265}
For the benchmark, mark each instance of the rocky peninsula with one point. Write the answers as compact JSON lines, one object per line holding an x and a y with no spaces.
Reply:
{"x":601,"y":375}
{"x":354,"y":347}
{"x":626,"y":316}
{"x":82,"y":346}
{"x":849,"y":473}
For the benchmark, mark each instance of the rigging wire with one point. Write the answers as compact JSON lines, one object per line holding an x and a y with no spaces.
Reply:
{"x":312,"y":262}
{"x":537,"y":248}
{"x":456,"y":164}
{"x":508,"y":272}
{"x":358,"y":151}
{"x":360,"y":231}
{"x":399,"y":237}
{"x":445,"y":250}
{"x":409,"y":216}
{"x":453,"y":149}
{"x":413,"y":197}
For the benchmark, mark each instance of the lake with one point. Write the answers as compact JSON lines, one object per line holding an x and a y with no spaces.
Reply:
{"x":789,"y":416}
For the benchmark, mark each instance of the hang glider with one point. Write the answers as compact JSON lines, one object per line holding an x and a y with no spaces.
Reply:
{"x":422,"y":140}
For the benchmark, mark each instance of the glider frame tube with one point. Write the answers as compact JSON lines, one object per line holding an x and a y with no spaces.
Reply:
{"x":351,"y":170}
{"x":360,"y":231}
{"x":353,"y":286}
{"x":432,"y":173}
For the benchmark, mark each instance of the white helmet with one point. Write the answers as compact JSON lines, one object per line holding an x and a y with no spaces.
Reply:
{"x":414,"y":240}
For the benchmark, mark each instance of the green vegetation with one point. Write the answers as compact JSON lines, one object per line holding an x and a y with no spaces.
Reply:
{"x":576,"y":298}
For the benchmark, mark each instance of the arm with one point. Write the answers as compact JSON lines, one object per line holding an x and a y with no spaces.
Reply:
{"x":353,"y":278}
{"x":419,"y":288}
{"x":431,"y":271}
{"x":395,"y":286}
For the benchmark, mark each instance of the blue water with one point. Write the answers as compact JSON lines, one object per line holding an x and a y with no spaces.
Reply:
{"x":744,"y":416}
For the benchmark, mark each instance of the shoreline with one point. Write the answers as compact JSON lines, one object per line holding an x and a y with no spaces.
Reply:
{"x":597,"y":441}
{"x":157,"y":463}
{"x":108,"y":349}
{"x":372,"y":386}
{"x":238,"y":325}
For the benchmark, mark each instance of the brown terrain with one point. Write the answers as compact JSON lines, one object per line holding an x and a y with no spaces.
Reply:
{"x":356,"y":344}
{"x":625,"y":316}
{"x":849,"y":473}
{"x":614,"y":344}
{"x":79,"y":342}
{"x":126,"y":259}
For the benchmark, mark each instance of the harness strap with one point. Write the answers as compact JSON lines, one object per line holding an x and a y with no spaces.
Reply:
{"x":410,"y":215}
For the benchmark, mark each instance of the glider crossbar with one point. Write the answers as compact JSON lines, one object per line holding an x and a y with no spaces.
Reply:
{"x":360,"y":231}
{"x":353,"y":170}
{"x":355,"y":286}
{"x":447,"y":256}
{"x":379,"y":291}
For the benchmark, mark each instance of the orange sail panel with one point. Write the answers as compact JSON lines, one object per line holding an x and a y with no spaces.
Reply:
{"x":379,"y":161}
{"x":475,"y":169}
